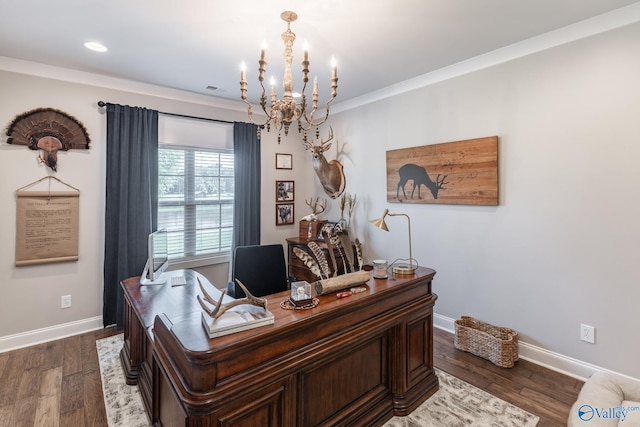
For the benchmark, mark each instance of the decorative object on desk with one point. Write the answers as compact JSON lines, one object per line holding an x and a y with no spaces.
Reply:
{"x":347,"y":280}
{"x":346,"y":251}
{"x":284,"y":191}
{"x":49,"y":130}
{"x":380,"y":269}
{"x":330,"y":174}
{"x":311,"y":263}
{"x":327,"y":229}
{"x":317,"y":207}
{"x":468,"y":168}
{"x":347,"y":201}
{"x":284,"y":213}
{"x":309,"y":230}
{"x":497,"y":344}
{"x":282,"y":112}
{"x":317,"y":262}
{"x":327,"y":239}
{"x":239,"y":315}
{"x":221,"y":308}
{"x":301,"y":293}
{"x":288,"y":305}
{"x":402,"y":269}
{"x":284,"y":161}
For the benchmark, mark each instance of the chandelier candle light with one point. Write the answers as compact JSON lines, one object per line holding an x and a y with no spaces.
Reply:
{"x":399,"y":269}
{"x":282,"y":112}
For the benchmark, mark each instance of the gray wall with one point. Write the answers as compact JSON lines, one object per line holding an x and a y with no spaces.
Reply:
{"x":562,"y":246}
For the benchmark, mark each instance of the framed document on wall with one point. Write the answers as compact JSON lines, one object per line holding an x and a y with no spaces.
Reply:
{"x":284,"y":161}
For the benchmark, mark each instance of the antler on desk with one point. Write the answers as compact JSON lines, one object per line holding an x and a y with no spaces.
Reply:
{"x":221,"y":308}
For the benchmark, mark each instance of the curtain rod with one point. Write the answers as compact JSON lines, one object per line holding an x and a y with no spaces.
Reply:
{"x":102,"y":104}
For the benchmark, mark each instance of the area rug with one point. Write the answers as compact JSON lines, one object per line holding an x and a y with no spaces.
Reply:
{"x":122,"y":402}
{"x":456,"y":403}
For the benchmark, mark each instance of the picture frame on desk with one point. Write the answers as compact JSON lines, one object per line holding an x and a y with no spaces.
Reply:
{"x":329,"y":227}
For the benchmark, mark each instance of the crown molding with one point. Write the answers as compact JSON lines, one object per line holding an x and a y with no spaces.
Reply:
{"x":102,"y":81}
{"x":599,"y":24}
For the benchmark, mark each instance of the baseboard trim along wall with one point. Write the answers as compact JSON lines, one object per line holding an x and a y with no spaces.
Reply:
{"x":566,"y":365}
{"x":38,"y":336}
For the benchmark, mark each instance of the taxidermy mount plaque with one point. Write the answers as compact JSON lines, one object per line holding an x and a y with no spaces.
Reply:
{"x":460,"y":173}
{"x":49,"y":131}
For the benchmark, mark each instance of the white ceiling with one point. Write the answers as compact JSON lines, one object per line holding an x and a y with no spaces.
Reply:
{"x":192,"y":44}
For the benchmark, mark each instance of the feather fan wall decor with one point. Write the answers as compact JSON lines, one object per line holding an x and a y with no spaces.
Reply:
{"x":320,"y":258}
{"x":309,"y":261}
{"x":359,"y":256}
{"x":49,"y":130}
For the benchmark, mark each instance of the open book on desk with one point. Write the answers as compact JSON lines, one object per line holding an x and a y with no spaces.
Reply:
{"x":236,"y":319}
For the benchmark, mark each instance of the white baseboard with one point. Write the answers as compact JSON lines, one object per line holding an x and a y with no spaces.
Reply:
{"x":566,"y":365}
{"x":26,"y":339}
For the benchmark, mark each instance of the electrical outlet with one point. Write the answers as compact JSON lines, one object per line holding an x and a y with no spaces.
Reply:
{"x":588,"y":333}
{"x":65,"y":301}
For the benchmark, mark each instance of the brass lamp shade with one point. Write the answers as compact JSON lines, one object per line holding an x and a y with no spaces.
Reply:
{"x":400,"y":269}
{"x":380,"y":221}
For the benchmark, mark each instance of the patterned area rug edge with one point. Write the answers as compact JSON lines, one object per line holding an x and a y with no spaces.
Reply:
{"x":456,"y":403}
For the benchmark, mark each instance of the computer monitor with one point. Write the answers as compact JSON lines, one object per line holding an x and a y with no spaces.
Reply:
{"x":157,"y":259}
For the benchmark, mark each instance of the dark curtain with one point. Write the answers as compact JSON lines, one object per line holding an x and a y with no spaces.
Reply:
{"x":246,"y":209}
{"x":131,"y":199}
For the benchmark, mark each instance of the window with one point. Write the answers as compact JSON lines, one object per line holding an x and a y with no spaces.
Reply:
{"x":195,"y":200}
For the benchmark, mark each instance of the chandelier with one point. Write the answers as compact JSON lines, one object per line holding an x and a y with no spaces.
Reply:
{"x":283,"y":112}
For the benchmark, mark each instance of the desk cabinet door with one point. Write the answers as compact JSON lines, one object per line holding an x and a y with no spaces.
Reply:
{"x":268,"y":407}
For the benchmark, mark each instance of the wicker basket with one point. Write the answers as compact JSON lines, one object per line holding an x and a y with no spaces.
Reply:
{"x":496,"y":344}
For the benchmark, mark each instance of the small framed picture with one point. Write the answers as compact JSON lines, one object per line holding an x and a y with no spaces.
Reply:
{"x":329,"y":228}
{"x":284,"y":191}
{"x":284,"y":161}
{"x":284,"y":213}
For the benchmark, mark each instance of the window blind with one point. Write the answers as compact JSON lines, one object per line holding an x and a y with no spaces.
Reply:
{"x":196,"y":190}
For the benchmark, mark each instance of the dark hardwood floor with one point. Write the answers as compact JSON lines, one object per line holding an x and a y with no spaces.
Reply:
{"x":541,"y":391}
{"x":53,"y":384}
{"x":58,"y":383}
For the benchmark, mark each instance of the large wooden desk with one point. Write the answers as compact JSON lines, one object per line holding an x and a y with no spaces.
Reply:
{"x":352,"y":361}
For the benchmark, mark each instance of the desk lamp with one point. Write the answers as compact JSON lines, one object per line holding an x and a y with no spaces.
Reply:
{"x":401,"y":269}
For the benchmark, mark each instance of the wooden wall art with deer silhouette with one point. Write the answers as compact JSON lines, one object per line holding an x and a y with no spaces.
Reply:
{"x":459,"y":172}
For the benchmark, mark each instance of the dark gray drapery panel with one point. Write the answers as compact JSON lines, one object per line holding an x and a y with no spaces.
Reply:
{"x":246,"y":209}
{"x":131,"y":199}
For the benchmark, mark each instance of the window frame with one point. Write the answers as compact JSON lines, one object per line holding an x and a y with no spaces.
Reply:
{"x":190,"y":206}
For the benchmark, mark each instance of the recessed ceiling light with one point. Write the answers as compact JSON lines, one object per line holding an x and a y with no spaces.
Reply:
{"x":95,"y":46}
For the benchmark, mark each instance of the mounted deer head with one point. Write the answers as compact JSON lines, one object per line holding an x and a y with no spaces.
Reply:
{"x":330,"y":173}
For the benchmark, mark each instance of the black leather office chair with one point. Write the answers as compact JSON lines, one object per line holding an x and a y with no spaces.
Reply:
{"x":261,"y":268}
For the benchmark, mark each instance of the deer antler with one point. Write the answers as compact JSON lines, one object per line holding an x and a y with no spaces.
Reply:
{"x":324,"y":143}
{"x":308,"y":145}
{"x":440,"y":182}
{"x":318,"y":206}
{"x":221,"y":308}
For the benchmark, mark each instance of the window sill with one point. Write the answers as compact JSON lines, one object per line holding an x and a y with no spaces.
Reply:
{"x":186,"y":263}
